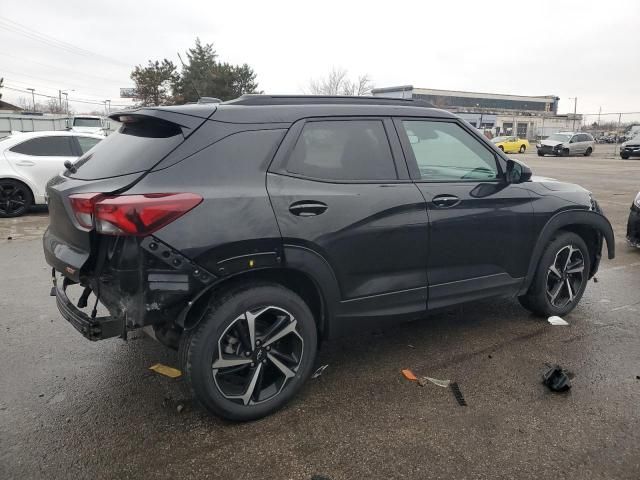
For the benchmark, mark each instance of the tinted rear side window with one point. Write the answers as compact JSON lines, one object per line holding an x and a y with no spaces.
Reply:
{"x":343,"y":150}
{"x":46,"y":147}
{"x":133,"y":148}
{"x":87,"y":143}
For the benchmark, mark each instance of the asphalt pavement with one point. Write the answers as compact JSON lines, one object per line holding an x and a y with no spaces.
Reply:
{"x":70,"y":408}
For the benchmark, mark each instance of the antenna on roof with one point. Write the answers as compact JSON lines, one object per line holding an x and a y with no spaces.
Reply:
{"x":192,"y":84}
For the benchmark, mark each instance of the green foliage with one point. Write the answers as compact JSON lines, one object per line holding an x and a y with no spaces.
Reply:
{"x":202,"y":75}
{"x":154,"y":82}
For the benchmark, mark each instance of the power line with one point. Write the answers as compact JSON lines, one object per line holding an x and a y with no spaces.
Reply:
{"x":52,"y":42}
{"x":57,"y":67}
{"x":47,"y":81}
{"x":56,"y":98}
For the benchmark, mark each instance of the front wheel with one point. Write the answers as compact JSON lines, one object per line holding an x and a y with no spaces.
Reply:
{"x":501,"y":147}
{"x":251,"y":353}
{"x":540,"y":154}
{"x":624,"y":156}
{"x":561,"y":277}
{"x":588,"y":152}
{"x":523,"y":148}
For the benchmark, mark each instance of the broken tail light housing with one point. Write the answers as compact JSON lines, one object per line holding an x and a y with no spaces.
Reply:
{"x":134,"y":215}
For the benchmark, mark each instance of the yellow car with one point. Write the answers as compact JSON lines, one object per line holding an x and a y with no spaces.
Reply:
{"x":511,"y":144}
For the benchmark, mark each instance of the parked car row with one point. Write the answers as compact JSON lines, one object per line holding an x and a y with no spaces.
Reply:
{"x":29,"y":160}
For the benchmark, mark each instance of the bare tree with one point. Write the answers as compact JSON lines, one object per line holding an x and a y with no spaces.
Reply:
{"x":53,"y":106}
{"x":338,"y":83}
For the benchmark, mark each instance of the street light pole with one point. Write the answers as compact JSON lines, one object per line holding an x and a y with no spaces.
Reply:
{"x":33,"y":97}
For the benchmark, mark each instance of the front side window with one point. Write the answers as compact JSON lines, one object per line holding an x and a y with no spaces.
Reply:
{"x":444,"y":151}
{"x":343,"y":150}
{"x":46,"y":147}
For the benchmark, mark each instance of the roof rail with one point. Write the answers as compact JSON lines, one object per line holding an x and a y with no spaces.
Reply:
{"x":253,"y":99}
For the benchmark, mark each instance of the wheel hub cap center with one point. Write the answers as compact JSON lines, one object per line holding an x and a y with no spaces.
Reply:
{"x":260,"y":354}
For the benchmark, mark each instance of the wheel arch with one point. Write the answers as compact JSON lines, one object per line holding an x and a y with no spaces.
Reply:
{"x":591,"y":226}
{"x":298,"y":281}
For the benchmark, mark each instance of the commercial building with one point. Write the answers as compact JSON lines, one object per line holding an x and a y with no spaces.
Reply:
{"x":529,"y":117}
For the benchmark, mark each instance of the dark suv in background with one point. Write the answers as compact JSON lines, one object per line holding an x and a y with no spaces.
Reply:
{"x":245,"y":232}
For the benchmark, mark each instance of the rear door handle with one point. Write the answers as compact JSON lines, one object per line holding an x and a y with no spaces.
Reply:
{"x":307,"y":208}
{"x":446,"y":201}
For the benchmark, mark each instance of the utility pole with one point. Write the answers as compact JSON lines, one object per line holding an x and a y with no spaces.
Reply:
{"x":66,"y":97}
{"x":33,"y":97}
{"x":60,"y":99}
{"x":575,"y":108}
{"x":599,"y":112}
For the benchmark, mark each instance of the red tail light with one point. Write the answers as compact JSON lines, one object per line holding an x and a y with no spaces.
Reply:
{"x":137,"y":215}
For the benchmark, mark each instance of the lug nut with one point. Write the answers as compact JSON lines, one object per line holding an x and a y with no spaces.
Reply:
{"x":258,"y":342}
{"x":253,"y":364}
{"x":268,"y":348}
{"x":264,"y":362}
{"x":247,"y":354}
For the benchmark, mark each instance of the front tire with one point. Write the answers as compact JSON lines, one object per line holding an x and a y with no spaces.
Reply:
{"x":588,"y":152}
{"x":561,"y":276}
{"x":15,"y":198}
{"x":251,"y":353}
{"x":624,"y":156}
{"x":523,"y":148}
{"x":540,"y":154}
{"x":501,"y":147}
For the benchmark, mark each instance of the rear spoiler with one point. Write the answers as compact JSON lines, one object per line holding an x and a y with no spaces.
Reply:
{"x":187,"y":117}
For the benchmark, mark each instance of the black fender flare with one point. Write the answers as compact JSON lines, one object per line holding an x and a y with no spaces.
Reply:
{"x":562,"y":219}
{"x":296,"y":258}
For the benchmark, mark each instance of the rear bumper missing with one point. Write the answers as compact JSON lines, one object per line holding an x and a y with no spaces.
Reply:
{"x":97,"y":328}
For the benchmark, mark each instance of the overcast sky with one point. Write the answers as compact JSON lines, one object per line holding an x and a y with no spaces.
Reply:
{"x":565,"y":48}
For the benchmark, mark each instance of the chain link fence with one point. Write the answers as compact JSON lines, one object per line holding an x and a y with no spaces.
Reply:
{"x":611,"y":129}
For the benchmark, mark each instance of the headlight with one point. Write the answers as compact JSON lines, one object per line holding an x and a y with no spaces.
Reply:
{"x":637,"y":200}
{"x":538,"y":145}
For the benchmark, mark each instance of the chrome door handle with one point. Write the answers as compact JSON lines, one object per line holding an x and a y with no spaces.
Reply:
{"x":25,"y":163}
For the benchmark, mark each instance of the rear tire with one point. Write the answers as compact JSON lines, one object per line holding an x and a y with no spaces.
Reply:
{"x":561,"y":276}
{"x":501,"y":147}
{"x":588,"y":152}
{"x":523,"y":148}
{"x":624,"y":156}
{"x":240,"y":375}
{"x":15,"y":198}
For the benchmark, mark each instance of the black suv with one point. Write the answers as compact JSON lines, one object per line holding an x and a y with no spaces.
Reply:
{"x":245,"y":232}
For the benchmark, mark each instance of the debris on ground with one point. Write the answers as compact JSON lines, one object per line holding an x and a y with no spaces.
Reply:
{"x":557,"y":321}
{"x":422,"y":381}
{"x":408,"y":374}
{"x":556,"y":379}
{"x":455,"y":389}
{"x":319,"y":371}
{"x":166,"y":370}
{"x":9,"y":238}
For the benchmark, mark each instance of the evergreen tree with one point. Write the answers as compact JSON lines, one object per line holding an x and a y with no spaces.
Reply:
{"x":154,"y":82}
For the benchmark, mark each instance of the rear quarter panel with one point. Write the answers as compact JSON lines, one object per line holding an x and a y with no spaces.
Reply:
{"x":235,"y":217}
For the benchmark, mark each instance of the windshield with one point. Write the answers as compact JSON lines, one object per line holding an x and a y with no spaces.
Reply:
{"x":499,"y":139}
{"x":87,"y":122}
{"x":560,"y":137}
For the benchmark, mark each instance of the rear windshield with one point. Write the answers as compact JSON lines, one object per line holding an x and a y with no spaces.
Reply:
{"x":133,"y":148}
{"x":87,"y":122}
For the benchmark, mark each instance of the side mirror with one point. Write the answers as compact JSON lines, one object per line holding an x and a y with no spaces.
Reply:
{"x":517,"y":172}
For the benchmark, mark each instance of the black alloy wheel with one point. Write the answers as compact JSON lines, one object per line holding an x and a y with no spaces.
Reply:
{"x":15,"y":198}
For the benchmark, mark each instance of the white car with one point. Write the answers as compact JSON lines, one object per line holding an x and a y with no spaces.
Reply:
{"x":29,"y":160}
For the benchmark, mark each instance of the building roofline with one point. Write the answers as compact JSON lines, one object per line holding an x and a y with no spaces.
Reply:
{"x":418,"y":90}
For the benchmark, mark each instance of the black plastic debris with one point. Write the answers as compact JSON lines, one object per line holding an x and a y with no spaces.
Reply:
{"x":556,"y":379}
{"x":455,"y":389}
